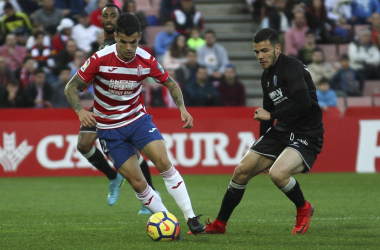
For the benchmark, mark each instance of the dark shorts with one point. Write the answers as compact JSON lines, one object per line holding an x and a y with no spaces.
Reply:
{"x":121,"y":143}
{"x":88,"y":129}
{"x":273,"y":142}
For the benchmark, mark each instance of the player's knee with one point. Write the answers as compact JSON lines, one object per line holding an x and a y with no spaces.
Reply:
{"x":84,"y":146}
{"x":241,"y":175}
{"x":277,"y":176}
{"x":163,"y":163}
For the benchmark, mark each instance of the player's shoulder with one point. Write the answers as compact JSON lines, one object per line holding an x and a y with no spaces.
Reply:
{"x":107,"y":51}
{"x":143,"y":54}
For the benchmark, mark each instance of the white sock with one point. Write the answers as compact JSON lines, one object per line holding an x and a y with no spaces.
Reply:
{"x":151,"y":200}
{"x":177,"y":189}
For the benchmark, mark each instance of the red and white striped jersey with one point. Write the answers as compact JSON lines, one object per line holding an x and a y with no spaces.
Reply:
{"x":118,"y":84}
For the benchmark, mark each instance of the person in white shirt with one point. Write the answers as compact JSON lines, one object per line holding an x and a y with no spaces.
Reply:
{"x":84,"y":33}
{"x":365,"y":56}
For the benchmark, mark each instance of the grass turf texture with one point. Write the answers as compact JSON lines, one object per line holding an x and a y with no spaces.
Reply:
{"x":72,"y":213}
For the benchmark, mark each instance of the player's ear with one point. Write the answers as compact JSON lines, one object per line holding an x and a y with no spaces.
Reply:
{"x":278,"y":49}
{"x":140,"y":34}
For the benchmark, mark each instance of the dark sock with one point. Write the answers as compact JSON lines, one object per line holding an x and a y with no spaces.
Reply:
{"x":231,"y":199}
{"x":146,"y":172}
{"x":98,"y":161}
{"x":296,"y":195}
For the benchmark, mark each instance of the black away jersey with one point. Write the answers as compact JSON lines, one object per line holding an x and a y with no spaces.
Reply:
{"x":107,"y":42}
{"x":279,"y":83}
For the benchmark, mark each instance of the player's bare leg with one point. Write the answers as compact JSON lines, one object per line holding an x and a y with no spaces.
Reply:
{"x":131,"y":171}
{"x":86,"y":147}
{"x":156,"y":152}
{"x":251,"y":165}
{"x":287,"y":164}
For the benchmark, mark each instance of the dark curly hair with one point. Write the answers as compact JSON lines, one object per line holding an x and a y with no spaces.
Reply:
{"x":127,"y":24}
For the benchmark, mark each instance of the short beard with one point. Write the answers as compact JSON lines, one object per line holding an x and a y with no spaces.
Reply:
{"x":109,"y":31}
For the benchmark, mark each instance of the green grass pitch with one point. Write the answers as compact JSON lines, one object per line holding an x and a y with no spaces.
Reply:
{"x":72,"y":213}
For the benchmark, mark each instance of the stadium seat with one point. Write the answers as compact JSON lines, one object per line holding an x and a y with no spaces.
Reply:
{"x":371,"y":87}
{"x":143,"y":5}
{"x":330,"y":51}
{"x":342,"y":49}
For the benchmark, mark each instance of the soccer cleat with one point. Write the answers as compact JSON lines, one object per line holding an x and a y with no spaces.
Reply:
{"x":195,"y":226}
{"x":144,"y":210}
{"x":303,"y":218}
{"x":115,"y":189}
{"x":216,"y":227}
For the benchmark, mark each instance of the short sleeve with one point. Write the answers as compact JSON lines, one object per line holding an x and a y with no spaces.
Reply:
{"x":89,"y":69}
{"x":157,"y":72}
{"x":295,"y":77}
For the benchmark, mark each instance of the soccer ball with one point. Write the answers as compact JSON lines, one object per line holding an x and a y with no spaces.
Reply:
{"x":163,"y":226}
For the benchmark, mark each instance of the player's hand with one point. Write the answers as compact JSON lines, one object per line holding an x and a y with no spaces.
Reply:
{"x":186,"y":117}
{"x":261,"y":115}
{"x":87,"y":118}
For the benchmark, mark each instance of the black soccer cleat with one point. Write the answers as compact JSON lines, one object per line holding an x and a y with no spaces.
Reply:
{"x":195,"y":226}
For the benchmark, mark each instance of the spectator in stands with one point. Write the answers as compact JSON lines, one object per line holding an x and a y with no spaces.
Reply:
{"x":202,"y":92}
{"x":13,"y":53}
{"x":338,"y":11}
{"x":187,"y":73}
{"x":62,"y":36}
{"x":319,"y":68}
{"x":26,"y":6}
{"x":175,"y":57}
{"x":362,"y":10}
{"x":213,"y":56}
{"x":365,"y":56}
{"x":130,"y":7}
{"x":42,"y":54}
{"x":346,"y":79}
{"x":84,"y":33}
{"x":195,"y":40}
{"x":305,"y":53}
{"x":164,"y":39}
{"x":65,"y":56}
{"x":254,"y":8}
{"x":12,"y":95}
{"x":278,"y":19}
{"x":96,"y":44}
{"x":59,"y":99}
{"x":166,"y":9}
{"x":25,"y":75}
{"x":230,"y":89}
{"x":70,"y":8}
{"x":295,"y":36}
{"x":6,"y":75}
{"x":40,"y":28}
{"x":154,"y":95}
{"x":326,"y":96}
{"x":375,"y":27}
{"x":39,"y":93}
{"x":12,"y":20}
{"x":187,"y":17}
{"x":96,"y":15}
{"x":48,"y":16}
{"x":316,"y":18}
{"x":79,"y":58}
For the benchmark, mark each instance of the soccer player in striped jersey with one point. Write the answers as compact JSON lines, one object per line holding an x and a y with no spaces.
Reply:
{"x":88,"y":135}
{"x":123,"y":124}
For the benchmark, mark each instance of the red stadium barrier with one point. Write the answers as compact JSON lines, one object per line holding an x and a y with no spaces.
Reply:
{"x":42,"y":142}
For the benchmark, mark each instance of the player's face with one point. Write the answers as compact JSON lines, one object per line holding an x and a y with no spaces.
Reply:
{"x":127,"y":45}
{"x":266,"y":53}
{"x":109,"y":17}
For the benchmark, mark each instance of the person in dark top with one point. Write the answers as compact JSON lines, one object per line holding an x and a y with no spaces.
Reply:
{"x":231,"y":90}
{"x":39,"y":93}
{"x":88,"y":136}
{"x":201,"y":93}
{"x":12,"y":95}
{"x":288,"y":147}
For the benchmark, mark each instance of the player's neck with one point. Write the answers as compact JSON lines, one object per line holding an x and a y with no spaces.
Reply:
{"x":107,"y":36}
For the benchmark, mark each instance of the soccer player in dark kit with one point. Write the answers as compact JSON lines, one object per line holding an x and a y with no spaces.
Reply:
{"x":288,"y":147}
{"x":88,"y":135}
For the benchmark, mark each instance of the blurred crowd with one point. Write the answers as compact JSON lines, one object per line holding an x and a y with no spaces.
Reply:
{"x":44,"y":42}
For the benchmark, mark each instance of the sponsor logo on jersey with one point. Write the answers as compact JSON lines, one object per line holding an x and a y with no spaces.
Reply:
{"x":85,"y":65}
{"x":277,"y":96}
{"x":11,"y":156}
{"x":303,"y":141}
{"x":113,"y":69}
{"x":122,"y":87}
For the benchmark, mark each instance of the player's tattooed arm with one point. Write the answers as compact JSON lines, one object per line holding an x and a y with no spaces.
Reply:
{"x":72,"y":89}
{"x":176,"y":94}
